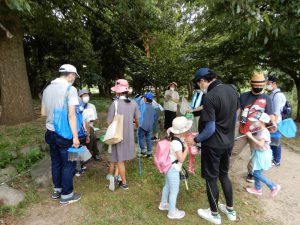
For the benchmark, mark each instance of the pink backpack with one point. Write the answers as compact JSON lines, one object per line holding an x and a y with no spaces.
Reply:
{"x":162,"y":158}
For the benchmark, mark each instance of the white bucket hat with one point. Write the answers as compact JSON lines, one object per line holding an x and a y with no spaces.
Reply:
{"x":68,"y":68}
{"x":180,"y":125}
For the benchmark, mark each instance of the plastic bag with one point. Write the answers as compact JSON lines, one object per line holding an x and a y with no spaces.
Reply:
{"x":184,"y":106}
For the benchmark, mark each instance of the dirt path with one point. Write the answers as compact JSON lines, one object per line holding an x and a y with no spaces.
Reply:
{"x":285,"y":207}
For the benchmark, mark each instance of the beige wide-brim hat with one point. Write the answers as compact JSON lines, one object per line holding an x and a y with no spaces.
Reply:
{"x":180,"y":125}
{"x":173,"y":83}
{"x":258,"y":78}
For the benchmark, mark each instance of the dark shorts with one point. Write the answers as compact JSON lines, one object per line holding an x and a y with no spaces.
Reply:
{"x":214,"y":162}
{"x":169,"y":117}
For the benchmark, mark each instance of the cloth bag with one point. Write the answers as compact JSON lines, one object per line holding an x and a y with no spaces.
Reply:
{"x":61,"y":119}
{"x":114,"y":133}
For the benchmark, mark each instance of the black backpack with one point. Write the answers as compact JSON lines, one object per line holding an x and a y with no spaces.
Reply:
{"x":287,"y":108}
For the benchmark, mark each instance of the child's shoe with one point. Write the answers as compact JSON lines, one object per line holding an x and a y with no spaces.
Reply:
{"x":111,"y":183}
{"x":275,"y":191}
{"x":177,"y":215}
{"x":108,"y":176}
{"x":163,"y":206}
{"x":207,"y":215}
{"x":254,"y":191}
{"x":231,"y":215}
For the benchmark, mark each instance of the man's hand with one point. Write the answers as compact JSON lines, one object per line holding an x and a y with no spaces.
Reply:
{"x":189,"y":111}
{"x":273,"y":129}
{"x":190,"y":141}
{"x":76,"y":142}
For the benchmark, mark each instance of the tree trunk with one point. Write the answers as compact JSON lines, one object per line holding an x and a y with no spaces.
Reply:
{"x":16,"y":101}
{"x":297,"y":82}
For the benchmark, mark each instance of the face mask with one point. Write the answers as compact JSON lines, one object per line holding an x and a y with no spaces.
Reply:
{"x":172,"y":89}
{"x":198,"y":90}
{"x":269,"y":87}
{"x":257,"y":90}
{"x":85,"y":99}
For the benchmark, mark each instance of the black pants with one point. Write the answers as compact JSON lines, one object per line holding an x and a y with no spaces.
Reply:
{"x":92,"y":146}
{"x":169,"y":117}
{"x":214,"y":166}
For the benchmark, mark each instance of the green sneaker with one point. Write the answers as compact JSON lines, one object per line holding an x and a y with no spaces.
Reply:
{"x":230,"y":215}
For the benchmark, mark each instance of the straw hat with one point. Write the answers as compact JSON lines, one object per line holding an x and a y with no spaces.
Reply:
{"x":173,"y":83}
{"x":180,"y":125}
{"x":120,"y":86}
{"x":258,"y":78}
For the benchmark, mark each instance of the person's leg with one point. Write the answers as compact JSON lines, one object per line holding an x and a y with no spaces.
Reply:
{"x":56,"y":163}
{"x":165,"y":191}
{"x":93,"y":144}
{"x":141,"y":137}
{"x":257,"y":179}
{"x":174,"y":182}
{"x":167,"y":119}
{"x":68,"y":171}
{"x":111,"y":168}
{"x":265,"y":180}
{"x":276,"y":153}
{"x":239,"y":145}
{"x":224,"y":178}
{"x":121,"y":168}
{"x":212,"y":194}
{"x":149,"y":142}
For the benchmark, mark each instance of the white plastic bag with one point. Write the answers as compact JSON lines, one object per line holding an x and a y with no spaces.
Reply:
{"x":184,"y":106}
{"x":86,"y":155}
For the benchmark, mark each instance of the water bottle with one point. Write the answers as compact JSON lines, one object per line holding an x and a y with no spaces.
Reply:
{"x":244,"y":115}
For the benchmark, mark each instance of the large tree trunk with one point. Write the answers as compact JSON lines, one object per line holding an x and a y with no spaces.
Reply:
{"x":298,"y":97}
{"x":16,"y":101}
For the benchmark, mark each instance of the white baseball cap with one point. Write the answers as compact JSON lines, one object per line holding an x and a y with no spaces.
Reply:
{"x":68,"y":68}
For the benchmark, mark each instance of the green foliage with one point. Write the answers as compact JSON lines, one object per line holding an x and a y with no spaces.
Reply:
{"x":5,"y":158}
{"x":18,"y":5}
{"x":24,"y":162}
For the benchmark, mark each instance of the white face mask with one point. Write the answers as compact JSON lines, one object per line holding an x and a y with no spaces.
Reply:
{"x":172,"y":89}
{"x":86,"y":99}
{"x":269,"y":87}
{"x":204,"y":90}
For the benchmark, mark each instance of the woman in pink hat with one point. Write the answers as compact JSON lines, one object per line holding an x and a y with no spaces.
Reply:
{"x":124,"y":150}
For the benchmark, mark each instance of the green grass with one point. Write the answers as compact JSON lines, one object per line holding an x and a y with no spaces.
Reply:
{"x":139,"y":205}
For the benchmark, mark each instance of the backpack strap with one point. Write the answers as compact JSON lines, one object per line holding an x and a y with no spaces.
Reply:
{"x":177,"y":139}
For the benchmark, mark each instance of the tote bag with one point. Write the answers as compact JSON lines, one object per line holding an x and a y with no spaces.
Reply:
{"x":114,"y":133}
{"x":61,"y":119}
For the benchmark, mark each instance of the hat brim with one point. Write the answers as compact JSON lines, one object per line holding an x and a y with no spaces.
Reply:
{"x":119,"y":89}
{"x":173,"y":83}
{"x":185,"y":129}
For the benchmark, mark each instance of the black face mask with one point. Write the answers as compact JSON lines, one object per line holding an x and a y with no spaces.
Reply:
{"x":257,"y":90}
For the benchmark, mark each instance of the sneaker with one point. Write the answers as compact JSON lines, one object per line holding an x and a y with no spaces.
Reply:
{"x":124,"y":186}
{"x":275,"y":191}
{"x":206,"y":214}
{"x":163,"y":206}
{"x":75,"y":198}
{"x":277,"y":164}
{"x":254,"y":191}
{"x":177,"y":215}
{"x":231,"y":215}
{"x":144,"y":154}
{"x":112,"y":183}
{"x":77,"y":174}
{"x":97,"y":157}
{"x":149,"y":156}
{"x":108,"y":176}
{"x":83,"y":168}
{"x":56,"y":195}
{"x":250,"y":178}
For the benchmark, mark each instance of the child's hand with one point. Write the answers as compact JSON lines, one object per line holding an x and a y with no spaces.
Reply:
{"x":249,"y":134}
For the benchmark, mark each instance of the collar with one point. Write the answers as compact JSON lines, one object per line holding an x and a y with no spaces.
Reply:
{"x":59,"y":80}
{"x":276,"y":90}
{"x":122,"y":97}
{"x":214,"y":84}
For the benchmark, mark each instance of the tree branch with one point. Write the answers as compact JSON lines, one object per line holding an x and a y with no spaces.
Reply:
{"x":8,"y":34}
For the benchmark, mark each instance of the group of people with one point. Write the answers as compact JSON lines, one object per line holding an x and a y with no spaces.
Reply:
{"x":225,"y":121}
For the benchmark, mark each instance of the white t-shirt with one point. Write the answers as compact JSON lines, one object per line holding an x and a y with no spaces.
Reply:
{"x":263,"y":134}
{"x":175,"y":147}
{"x":89,"y":114}
{"x":171,"y":105}
{"x":54,"y":97}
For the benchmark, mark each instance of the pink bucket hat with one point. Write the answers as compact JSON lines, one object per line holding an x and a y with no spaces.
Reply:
{"x":120,"y":86}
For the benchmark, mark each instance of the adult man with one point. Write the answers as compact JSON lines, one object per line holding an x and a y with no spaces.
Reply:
{"x":89,"y":117}
{"x":251,"y":102}
{"x":278,"y":101}
{"x":171,"y":100}
{"x":216,"y":134}
{"x":54,"y":97}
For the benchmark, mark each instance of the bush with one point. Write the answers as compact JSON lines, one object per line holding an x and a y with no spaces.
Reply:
{"x":5,"y":158}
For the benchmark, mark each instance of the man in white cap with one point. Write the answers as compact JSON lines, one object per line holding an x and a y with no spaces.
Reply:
{"x":53,"y":98}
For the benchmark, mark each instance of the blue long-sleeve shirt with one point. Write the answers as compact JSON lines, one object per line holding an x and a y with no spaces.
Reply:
{"x":149,"y":116}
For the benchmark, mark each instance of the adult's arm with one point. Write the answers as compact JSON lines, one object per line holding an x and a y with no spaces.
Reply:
{"x":208,"y":131}
{"x":43,"y":110}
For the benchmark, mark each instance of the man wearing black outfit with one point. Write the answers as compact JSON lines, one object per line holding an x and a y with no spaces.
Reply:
{"x":216,"y":134}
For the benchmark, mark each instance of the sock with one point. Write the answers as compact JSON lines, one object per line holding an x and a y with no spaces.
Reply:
{"x":214,"y":213}
{"x":229,"y":209}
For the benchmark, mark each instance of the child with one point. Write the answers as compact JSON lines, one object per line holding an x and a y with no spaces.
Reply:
{"x":178,"y":153}
{"x":261,"y":156}
{"x":146,"y":125}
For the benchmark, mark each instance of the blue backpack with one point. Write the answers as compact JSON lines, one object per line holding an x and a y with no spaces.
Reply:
{"x":61,"y":119}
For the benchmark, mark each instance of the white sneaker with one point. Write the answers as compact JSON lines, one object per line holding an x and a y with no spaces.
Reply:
{"x":111,"y":183}
{"x":230,"y":215}
{"x":206,"y":214}
{"x":163,"y":206}
{"x":108,"y":176}
{"x":177,"y":215}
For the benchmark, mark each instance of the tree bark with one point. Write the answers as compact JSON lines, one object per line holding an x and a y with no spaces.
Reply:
{"x":297,"y":82}
{"x":16,"y":101}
